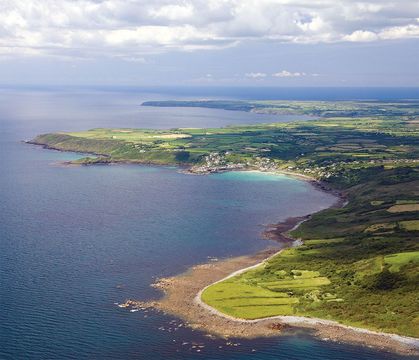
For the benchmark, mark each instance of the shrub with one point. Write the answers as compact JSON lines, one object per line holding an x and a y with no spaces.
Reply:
{"x":384,"y":280}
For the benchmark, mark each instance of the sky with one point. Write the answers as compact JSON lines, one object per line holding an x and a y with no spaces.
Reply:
{"x":210,"y":42}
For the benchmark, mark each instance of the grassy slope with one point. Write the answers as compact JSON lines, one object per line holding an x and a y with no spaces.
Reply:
{"x":358,"y":265}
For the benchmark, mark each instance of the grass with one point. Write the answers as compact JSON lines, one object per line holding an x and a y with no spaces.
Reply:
{"x":402,"y":202}
{"x":369,"y":267}
{"x":381,"y":227}
{"x":256,"y":294}
{"x":247,"y":302}
{"x":403,"y":208}
{"x":410,"y":225}
{"x":397,"y":261}
{"x":394,"y":262}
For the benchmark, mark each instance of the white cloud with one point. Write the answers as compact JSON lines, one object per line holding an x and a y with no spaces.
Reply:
{"x":361,"y":35}
{"x":400,"y":32}
{"x":255,"y":75}
{"x":173,"y":12}
{"x":156,"y":35}
{"x":285,"y":73}
{"x":392,"y":33}
{"x":135,"y":28}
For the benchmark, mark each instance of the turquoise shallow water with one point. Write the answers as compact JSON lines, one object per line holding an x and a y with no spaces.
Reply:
{"x":75,"y":240}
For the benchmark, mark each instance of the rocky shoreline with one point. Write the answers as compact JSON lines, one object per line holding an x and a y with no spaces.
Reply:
{"x":182,"y":299}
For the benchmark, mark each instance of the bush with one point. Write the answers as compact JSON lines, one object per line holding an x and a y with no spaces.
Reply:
{"x":182,"y":156}
{"x":384,"y":280}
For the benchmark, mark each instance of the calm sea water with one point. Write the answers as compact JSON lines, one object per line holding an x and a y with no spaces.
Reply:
{"x":76,"y":240}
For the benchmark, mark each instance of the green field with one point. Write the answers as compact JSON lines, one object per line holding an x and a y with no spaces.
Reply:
{"x":245,"y":301}
{"x":359,"y":265}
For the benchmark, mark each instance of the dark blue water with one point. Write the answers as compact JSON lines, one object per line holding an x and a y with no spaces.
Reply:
{"x":76,"y":240}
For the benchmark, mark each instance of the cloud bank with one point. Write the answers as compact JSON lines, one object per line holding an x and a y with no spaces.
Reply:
{"x":132,"y":29}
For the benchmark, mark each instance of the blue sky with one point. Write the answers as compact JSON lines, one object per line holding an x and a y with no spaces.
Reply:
{"x":212,"y":42}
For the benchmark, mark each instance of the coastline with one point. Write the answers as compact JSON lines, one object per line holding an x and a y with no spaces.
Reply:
{"x":326,"y":329}
{"x":182,"y":293}
{"x":182,"y":298}
{"x":48,"y":147}
{"x":104,"y":159}
{"x":189,"y":168}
